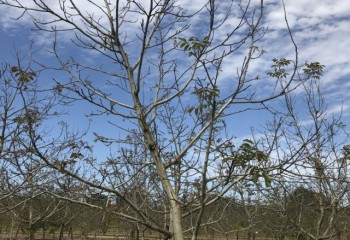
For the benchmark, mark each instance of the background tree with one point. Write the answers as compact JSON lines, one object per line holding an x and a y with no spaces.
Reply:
{"x":24,"y":179}
{"x":313,"y":173}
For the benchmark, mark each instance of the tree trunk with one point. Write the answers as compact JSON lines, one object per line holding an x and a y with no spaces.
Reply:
{"x":176,"y":214}
{"x":60,"y":237}
{"x":44,"y":232}
{"x":31,"y":233}
{"x":176,"y":221}
{"x":71,"y":232}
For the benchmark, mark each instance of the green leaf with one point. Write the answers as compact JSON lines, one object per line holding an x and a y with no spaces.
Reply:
{"x":14,"y":69}
{"x":190,"y":110}
{"x":260,"y":156}
{"x":248,"y":141}
{"x":267,"y":179}
{"x":226,"y":159}
{"x":76,"y":155}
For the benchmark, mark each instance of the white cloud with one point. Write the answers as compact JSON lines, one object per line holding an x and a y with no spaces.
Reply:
{"x":321,"y":31}
{"x":338,"y":108}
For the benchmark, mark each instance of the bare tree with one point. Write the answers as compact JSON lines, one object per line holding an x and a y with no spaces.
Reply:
{"x":165,"y":90}
{"x":18,"y":104}
{"x":24,"y":178}
{"x":313,"y":179}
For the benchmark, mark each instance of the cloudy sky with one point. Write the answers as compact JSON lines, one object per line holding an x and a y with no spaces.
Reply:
{"x":321,"y":30}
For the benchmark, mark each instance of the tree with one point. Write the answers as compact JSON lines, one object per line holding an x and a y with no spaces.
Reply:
{"x":313,"y":177}
{"x":24,"y":178}
{"x":161,"y":88}
{"x":11,"y":129}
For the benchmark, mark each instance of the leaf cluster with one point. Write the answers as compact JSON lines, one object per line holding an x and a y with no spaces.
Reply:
{"x":245,"y":155}
{"x":313,"y":70}
{"x":31,"y":116}
{"x":278,"y":66}
{"x":193,"y":45}
{"x":23,"y":76}
{"x":208,"y":98}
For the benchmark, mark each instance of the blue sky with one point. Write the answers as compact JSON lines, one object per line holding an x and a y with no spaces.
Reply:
{"x":321,"y":30}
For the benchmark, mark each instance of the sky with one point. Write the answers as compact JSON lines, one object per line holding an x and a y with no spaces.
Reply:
{"x":321,"y":30}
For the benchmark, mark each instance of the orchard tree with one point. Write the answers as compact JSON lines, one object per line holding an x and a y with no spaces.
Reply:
{"x":160,"y":77}
{"x":313,"y":180}
{"x":13,"y":81}
{"x":24,"y":178}
{"x":19,"y":104}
